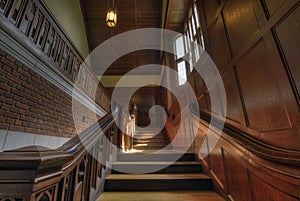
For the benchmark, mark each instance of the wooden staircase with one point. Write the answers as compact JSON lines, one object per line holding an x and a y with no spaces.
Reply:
{"x":178,"y":181}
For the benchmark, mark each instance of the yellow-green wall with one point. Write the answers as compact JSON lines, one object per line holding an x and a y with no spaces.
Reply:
{"x":69,"y":15}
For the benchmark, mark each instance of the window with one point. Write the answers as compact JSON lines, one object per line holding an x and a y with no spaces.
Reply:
{"x":182,"y":77}
{"x":180,"y":51}
{"x":185,"y":45}
{"x":194,"y":34}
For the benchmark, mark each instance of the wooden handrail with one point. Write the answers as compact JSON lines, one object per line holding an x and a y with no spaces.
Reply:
{"x":255,"y":146}
{"x":71,"y":172}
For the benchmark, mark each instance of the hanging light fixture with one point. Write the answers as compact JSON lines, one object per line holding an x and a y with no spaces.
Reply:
{"x":111,"y":16}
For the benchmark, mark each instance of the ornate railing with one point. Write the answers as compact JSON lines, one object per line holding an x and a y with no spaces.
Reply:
{"x":32,"y":24}
{"x":75,"y":171}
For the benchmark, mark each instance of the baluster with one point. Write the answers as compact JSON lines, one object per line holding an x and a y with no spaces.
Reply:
{"x":75,"y":68}
{"x":65,"y":57}
{"x":55,"y":47}
{"x":16,"y":11}
{"x":33,"y":34}
{"x":50,"y":42}
{"x":43,"y":34}
{"x":4,"y":6}
{"x":60,"y":48}
{"x":28,"y":18}
{"x":47,"y":195}
{"x":70,"y":64}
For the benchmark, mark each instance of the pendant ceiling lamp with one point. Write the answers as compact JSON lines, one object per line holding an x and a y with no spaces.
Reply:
{"x":111,"y":16}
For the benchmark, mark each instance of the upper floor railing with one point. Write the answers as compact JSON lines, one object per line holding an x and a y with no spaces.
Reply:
{"x":32,"y":24}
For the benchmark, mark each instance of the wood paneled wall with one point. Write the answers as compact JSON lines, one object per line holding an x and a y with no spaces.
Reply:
{"x":255,"y":45}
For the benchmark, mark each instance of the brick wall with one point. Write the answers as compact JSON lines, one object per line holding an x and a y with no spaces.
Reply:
{"x":29,"y":103}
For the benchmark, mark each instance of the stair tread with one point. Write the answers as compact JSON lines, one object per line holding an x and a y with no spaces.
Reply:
{"x":161,"y":196}
{"x":156,"y":163}
{"x":157,"y":176}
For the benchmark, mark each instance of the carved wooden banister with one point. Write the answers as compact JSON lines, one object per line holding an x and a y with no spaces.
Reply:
{"x":74,"y":171}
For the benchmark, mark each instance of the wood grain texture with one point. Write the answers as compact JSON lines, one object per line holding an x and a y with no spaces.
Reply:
{"x":263,"y":100}
{"x":290,"y":44}
{"x":257,"y":60}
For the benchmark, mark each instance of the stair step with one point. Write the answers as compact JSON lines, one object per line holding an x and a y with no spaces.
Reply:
{"x":161,"y":196}
{"x":150,"y":140}
{"x":145,"y":137}
{"x":160,"y":167}
{"x":144,"y":144}
{"x":155,"y":157}
{"x":152,"y":182}
{"x":149,"y":148}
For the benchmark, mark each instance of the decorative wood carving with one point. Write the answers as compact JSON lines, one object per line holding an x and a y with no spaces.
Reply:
{"x":31,"y":20}
{"x":65,"y":174}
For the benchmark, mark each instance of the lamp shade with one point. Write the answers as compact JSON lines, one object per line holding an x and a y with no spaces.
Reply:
{"x":111,"y":17}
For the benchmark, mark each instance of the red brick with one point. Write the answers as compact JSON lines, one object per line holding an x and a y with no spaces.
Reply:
{"x":22,"y":106}
{"x":19,"y":64}
{"x":23,"y":72}
{"x":26,"y":118}
{"x":5,"y":87}
{"x":20,"y":111}
{"x":18,"y":92}
{"x":25,"y":124}
{"x":22,"y":77}
{"x":7,"y":69}
{"x":10,"y":121}
{"x":8,"y":95}
{"x":2,"y":120}
{"x":3,"y":80}
{"x":10,"y":58}
{"x":6,"y":100}
{"x":4,"y":126}
{"x":16,"y":128}
{"x":34,"y":110}
{"x":26,"y":68}
{"x":13,"y":109}
{"x":5,"y":107}
{"x":11,"y":115}
{"x":16,"y":98}
{"x":12,"y":84}
{"x":18,"y":122}
{"x":13,"y":78}
{"x":14,"y":73}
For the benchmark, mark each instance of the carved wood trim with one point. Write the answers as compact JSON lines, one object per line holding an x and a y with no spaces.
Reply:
{"x":60,"y":174}
{"x":32,"y":22}
{"x":257,"y":147}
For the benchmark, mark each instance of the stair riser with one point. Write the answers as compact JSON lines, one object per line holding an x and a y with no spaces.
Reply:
{"x":155,"y":185}
{"x":147,"y":141}
{"x":154,"y":157}
{"x":151,"y":143}
{"x":152,"y":148}
{"x":168,"y":170}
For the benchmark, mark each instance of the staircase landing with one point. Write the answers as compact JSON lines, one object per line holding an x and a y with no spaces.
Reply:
{"x":161,"y":196}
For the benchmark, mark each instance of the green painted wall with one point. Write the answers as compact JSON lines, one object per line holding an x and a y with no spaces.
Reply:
{"x":69,"y":15}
